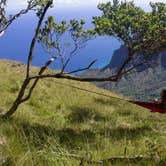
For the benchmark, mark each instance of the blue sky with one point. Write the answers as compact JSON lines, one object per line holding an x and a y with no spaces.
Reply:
{"x":101,"y":48}
{"x":17,"y":4}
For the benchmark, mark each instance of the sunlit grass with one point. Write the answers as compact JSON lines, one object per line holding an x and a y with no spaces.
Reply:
{"x":59,"y":120}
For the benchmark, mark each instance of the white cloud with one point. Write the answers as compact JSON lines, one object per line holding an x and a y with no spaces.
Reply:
{"x":18,"y":4}
{"x":95,"y":2}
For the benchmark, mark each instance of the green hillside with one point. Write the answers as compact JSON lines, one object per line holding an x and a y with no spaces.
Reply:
{"x":62,"y":125}
{"x":145,"y":85}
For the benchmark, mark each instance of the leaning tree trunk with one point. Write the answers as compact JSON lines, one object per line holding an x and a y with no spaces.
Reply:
{"x":13,"y":109}
{"x":18,"y":100}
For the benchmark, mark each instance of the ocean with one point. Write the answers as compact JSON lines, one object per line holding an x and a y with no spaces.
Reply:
{"x":14,"y":45}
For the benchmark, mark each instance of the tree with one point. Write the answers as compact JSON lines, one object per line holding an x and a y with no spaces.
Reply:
{"x":141,"y":32}
{"x":6,"y":21}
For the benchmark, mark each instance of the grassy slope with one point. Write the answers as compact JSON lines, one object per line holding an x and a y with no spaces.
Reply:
{"x":61,"y":120}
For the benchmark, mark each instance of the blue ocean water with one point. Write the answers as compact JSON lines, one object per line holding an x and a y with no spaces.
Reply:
{"x":14,"y":45}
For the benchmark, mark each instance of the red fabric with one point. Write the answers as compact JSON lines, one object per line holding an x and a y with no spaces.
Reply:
{"x":153,"y":106}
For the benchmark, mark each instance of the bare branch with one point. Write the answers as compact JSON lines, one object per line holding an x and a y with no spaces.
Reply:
{"x":59,"y":49}
{"x":7,"y":22}
{"x":70,"y":56}
{"x":30,"y":57}
{"x":83,"y":69}
{"x":113,"y":78}
{"x":42,"y":70}
{"x":70,"y":77}
{"x":77,"y":47}
{"x":126,"y":62}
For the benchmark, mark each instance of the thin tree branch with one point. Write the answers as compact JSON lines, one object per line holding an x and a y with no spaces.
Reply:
{"x":126,"y":62}
{"x":59,"y":49}
{"x":112,"y":78}
{"x":31,"y":51}
{"x":42,"y":70}
{"x":83,"y":69}
{"x":77,"y":46}
{"x":72,"y":53}
{"x":70,"y":77}
{"x":22,"y":12}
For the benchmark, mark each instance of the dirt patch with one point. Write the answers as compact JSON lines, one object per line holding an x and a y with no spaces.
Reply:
{"x":3,"y":140}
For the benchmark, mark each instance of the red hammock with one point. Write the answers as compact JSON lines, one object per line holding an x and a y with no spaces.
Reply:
{"x":153,"y":106}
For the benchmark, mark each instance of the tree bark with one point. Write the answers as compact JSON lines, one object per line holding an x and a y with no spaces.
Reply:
{"x":18,"y":100}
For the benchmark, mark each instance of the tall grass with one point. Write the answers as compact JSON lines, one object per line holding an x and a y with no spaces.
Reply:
{"x":59,"y":121}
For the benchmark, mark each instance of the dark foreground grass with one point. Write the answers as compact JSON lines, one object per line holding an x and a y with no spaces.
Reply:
{"x":60,"y":122}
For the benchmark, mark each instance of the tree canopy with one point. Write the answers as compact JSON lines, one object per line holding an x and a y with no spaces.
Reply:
{"x":64,"y":40}
{"x":6,"y":20}
{"x":141,"y":32}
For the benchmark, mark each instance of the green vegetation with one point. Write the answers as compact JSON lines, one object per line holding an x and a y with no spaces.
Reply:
{"x":59,"y":120}
{"x":145,"y":85}
{"x":140,"y":31}
{"x":7,"y":19}
{"x":62,"y":125}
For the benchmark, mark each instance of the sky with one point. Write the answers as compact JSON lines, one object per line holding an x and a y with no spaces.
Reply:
{"x":17,"y":4}
{"x":95,"y":2}
{"x":74,"y":9}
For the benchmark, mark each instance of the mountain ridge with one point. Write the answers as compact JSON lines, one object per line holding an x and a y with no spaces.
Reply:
{"x":120,"y":55}
{"x":143,"y":83}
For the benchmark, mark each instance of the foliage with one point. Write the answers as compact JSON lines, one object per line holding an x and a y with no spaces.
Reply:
{"x":53,"y":38}
{"x":6,"y":20}
{"x":142,"y":32}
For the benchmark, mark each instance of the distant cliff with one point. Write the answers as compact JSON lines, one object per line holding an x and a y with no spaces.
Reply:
{"x":143,"y":83}
{"x":120,"y":56}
